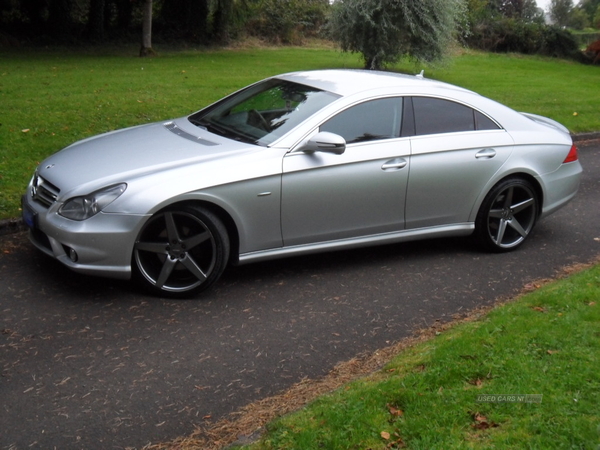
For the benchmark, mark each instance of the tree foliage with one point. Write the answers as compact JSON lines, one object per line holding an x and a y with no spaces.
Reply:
{"x":287,"y":21}
{"x":385,"y":30}
{"x":560,"y":11}
{"x":526,"y":10}
{"x":591,"y":9}
{"x":203,"y":22}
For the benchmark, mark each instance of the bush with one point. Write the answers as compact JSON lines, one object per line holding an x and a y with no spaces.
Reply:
{"x":287,"y":21}
{"x":516,"y":36}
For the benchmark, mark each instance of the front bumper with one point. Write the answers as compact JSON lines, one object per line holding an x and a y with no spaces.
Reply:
{"x":101,"y":245}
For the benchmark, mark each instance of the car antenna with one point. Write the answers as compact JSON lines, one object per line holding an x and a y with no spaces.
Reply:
{"x":420,"y":75}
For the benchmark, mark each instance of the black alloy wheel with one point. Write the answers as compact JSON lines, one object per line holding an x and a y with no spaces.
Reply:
{"x":507,"y":215}
{"x":181,"y":251}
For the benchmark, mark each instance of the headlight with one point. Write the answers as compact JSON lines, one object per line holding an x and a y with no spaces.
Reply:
{"x":81,"y":208}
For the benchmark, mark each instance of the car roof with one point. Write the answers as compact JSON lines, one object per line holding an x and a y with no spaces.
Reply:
{"x":346,"y":82}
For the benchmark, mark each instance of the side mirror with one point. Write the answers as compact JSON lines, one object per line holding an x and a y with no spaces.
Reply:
{"x":325,"y":142}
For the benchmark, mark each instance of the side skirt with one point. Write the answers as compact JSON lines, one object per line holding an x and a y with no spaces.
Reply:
{"x":460,"y":229}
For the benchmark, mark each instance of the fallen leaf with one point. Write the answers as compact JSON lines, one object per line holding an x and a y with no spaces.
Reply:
{"x":395,"y":411}
{"x":479,"y":417}
{"x":538,"y":308}
{"x":481,"y":422}
{"x":385,"y":435}
{"x":26,"y":130}
{"x":531,"y":287}
{"x":476,"y":382}
{"x":552,"y":352}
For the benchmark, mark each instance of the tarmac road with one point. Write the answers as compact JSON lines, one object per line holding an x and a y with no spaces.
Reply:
{"x":94,"y":364}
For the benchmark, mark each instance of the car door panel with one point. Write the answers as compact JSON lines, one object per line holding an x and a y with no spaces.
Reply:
{"x":448,"y":173}
{"x":361,"y":192}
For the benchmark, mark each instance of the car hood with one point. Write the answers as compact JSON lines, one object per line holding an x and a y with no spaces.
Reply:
{"x":122,"y":155}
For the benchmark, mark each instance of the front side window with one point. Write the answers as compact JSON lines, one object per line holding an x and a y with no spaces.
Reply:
{"x":368,"y":121}
{"x":435,"y":115}
{"x":262,"y":113}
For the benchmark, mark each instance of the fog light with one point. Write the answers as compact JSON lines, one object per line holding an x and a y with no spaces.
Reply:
{"x":73,"y":255}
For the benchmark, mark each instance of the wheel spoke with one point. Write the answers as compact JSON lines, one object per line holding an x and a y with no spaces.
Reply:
{"x":154,"y":247}
{"x":501,"y":231}
{"x":196,"y":240}
{"x":172,"y":233}
{"x":521,"y":206}
{"x":515,"y":225}
{"x":509,"y":196}
{"x":194,"y":269}
{"x":165,"y":272}
{"x":496,"y":213}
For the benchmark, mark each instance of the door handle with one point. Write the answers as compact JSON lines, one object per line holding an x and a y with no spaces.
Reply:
{"x":396,"y":163}
{"x":486,"y":153}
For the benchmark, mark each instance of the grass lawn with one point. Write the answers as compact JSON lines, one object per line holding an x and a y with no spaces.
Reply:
{"x":466,"y":387}
{"x":52,"y":98}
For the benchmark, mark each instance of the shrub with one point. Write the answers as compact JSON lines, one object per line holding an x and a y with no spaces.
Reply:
{"x":287,"y":21}
{"x":511,"y":35}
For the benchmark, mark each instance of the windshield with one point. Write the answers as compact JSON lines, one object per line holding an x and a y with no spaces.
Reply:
{"x":262,"y":113}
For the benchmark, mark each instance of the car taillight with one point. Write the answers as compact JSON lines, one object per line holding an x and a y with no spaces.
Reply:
{"x":572,"y":156}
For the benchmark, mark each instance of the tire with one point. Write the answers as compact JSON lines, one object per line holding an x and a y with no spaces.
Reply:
{"x":180,"y":252}
{"x":507,"y":215}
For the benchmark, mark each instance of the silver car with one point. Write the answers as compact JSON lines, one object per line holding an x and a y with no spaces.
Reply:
{"x":299,"y":163}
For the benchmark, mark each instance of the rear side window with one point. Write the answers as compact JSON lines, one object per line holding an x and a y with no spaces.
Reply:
{"x":368,"y":121}
{"x":435,"y":115}
{"x":484,"y":122}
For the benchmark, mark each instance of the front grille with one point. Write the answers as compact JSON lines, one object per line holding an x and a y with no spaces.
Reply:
{"x":44,"y":192}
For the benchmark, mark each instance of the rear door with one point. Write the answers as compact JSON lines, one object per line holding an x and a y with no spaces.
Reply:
{"x":455,"y":152}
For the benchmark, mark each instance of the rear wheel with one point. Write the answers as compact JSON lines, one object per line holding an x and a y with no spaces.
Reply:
{"x":180,"y":252}
{"x":507,"y":215}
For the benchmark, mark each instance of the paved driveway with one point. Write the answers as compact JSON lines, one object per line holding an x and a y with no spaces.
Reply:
{"x":92,"y":363}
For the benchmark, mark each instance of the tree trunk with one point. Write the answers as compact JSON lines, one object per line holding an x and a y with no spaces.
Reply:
{"x":59,"y":18}
{"x":95,"y":25}
{"x":146,"y":49}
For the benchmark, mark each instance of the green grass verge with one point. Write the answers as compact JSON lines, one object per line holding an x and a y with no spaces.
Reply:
{"x":52,"y":98}
{"x":545,"y":343}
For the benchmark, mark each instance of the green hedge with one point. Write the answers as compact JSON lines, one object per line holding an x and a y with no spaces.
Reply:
{"x":515,"y":36}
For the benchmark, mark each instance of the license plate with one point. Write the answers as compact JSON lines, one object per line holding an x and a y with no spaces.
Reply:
{"x":28,"y":214}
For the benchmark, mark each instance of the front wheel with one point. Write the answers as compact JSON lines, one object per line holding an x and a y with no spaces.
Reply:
{"x":507,"y":215}
{"x":181,"y":251}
